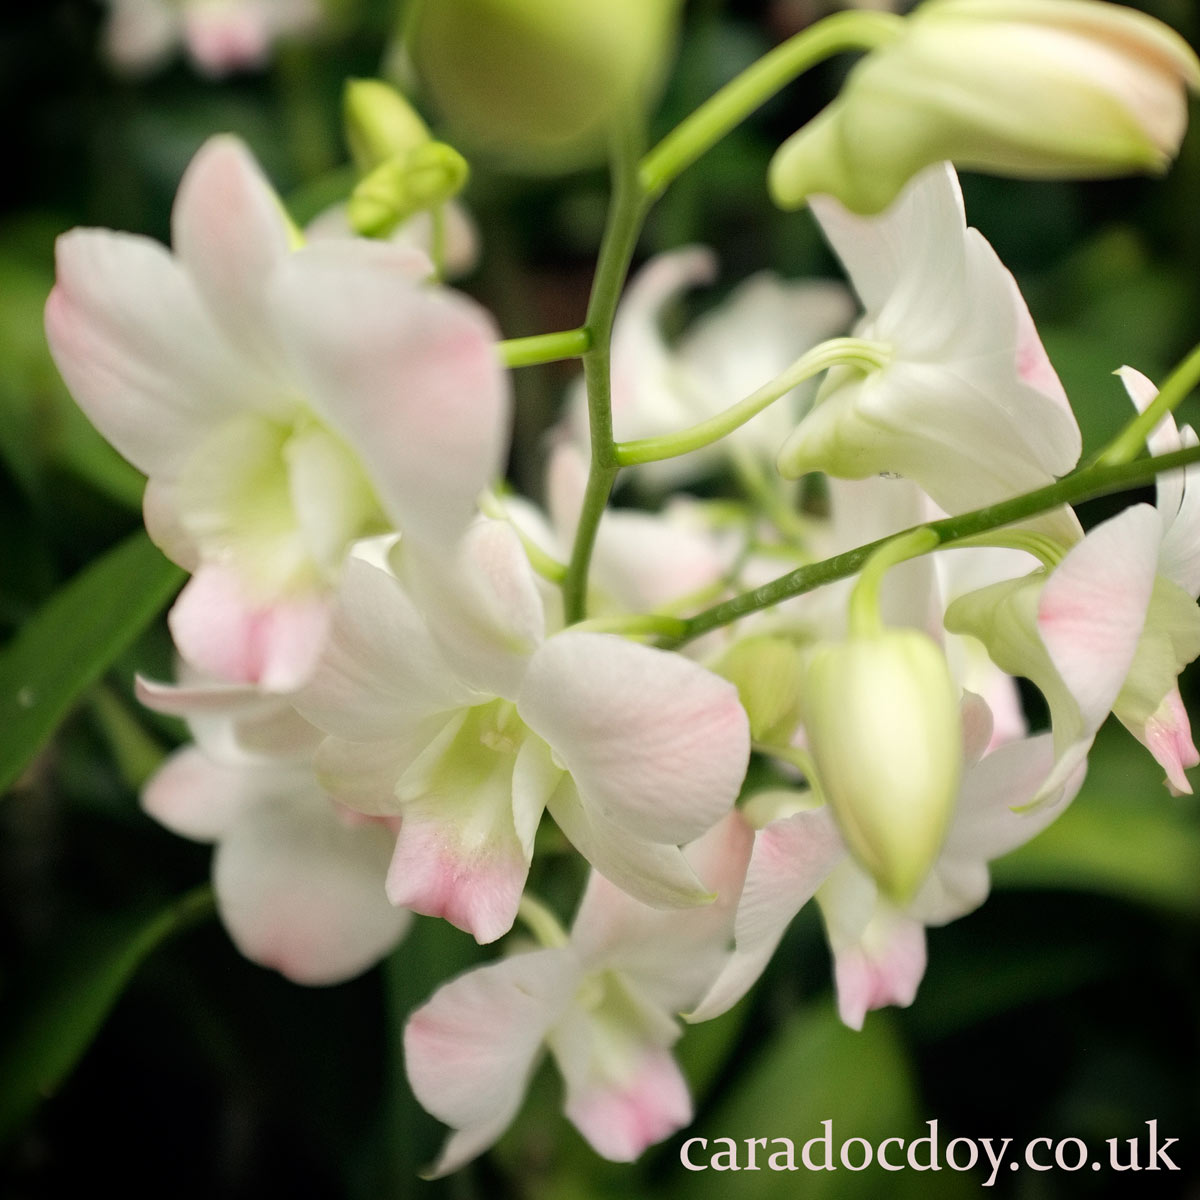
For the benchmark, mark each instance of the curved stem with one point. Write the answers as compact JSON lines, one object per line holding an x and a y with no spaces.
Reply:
{"x":757,"y":84}
{"x":1083,"y":485}
{"x":865,"y":617}
{"x":626,"y":214}
{"x":1129,"y":442}
{"x":837,"y":351}
{"x":544,"y":348}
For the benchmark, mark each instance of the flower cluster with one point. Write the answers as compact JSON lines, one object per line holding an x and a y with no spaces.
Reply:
{"x":388,"y":690}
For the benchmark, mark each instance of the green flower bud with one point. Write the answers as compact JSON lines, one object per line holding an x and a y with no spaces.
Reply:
{"x":423,"y":178}
{"x":1031,"y":88}
{"x":380,"y":123}
{"x":882,"y":718}
{"x":539,"y":78}
{"x":766,"y":672}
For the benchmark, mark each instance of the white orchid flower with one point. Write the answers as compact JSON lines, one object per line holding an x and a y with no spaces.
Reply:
{"x":760,"y":330}
{"x":968,"y":405}
{"x":447,"y":706}
{"x":1149,"y":704}
{"x":283,"y":403}
{"x":299,"y":883}
{"x":220,"y":36}
{"x":1078,"y":629}
{"x":603,"y":1001}
{"x":879,"y":949}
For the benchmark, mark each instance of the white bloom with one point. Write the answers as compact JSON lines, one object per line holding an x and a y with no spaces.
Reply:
{"x":604,"y":1003}
{"x":283,"y":404}
{"x":299,"y":883}
{"x":968,"y":406}
{"x":446,"y":705}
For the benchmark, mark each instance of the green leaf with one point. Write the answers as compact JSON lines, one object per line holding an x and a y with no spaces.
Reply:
{"x":61,"y":1014}
{"x":72,"y":640}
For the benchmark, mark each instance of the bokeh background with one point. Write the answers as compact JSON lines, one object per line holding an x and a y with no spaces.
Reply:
{"x":1068,"y":1006}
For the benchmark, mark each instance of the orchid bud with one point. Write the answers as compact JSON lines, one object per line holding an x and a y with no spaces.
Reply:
{"x":766,"y":672}
{"x":882,"y":718}
{"x":380,"y":123}
{"x":1031,"y":88}
{"x":423,"y":178}
{"x":538,"y":77}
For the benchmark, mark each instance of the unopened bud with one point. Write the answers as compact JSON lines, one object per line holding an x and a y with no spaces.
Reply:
{"x":767,"y":673}
{"x":380,"y":123}
{"x":882,"y":718}
{"x":424,"y":178}
{"x":1031,"y":88}
{"x":540,"y":77}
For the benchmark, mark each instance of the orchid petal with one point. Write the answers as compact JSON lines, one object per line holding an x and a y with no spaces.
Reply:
{"x":792,"y":856}
{"x":381,"y":675}
{"x":471,"y":1049}
{"x":137,"y":349}
{"x":408,"y":376}
{"x":655,"y":743}
{"x":197,"y":798}
{"x":230,"y":232}
{"x":655,"y":874}
{"x":482,"y":606}
{"x":224,"y":633}
{"x":671,"y":955}
{"x":301,"y":890}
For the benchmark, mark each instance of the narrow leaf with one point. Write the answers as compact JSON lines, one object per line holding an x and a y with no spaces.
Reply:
{"x":72,"y":641}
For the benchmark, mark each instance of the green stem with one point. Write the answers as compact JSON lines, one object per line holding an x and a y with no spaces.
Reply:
{"x":1128,"y":444}
{"x":865,"y":617}
{"x":837,"y":351}
{"x":757,"y":84}
{"x":545,"y":348}
{"x":626,"y":215}
{"x":633,"y":624}
{"x":1083,"y":485}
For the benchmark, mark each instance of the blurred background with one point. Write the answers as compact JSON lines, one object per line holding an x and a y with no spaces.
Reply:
{"x":1068,"y":1006}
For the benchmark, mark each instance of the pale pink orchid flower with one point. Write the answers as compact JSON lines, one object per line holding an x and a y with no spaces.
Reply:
{"x":448,"y":706}
{"x":299,"y":883}
{"x":283,"y":402}
{"x":219,"y":36}
{"x":603,"y":1001}
{"x":968,"y":405}
{"x":1149,"y":704}
{"x":879,"y":950}
{"x":1090,"y":632}
{"x":756,"y":333}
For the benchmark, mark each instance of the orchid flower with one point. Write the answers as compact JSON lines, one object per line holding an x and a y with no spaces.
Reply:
{"x":1149,"y":704}
{"x":879,"y":949}
{"x":754,"y":335}
{"x":968,"y":405}
{"x":447,"y":706}
{"x":299,"y":883}
{"x":1077,"y":629}
{"x":220,"y":36}
{"x":283,"y":403}
{"x":603,"y":1001}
